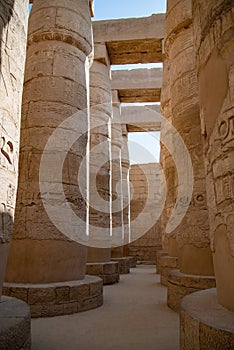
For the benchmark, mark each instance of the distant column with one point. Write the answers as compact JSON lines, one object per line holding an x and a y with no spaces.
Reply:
{"x":117,"y":192}
{"x":125,"y":161}
{"x":100,"y":158}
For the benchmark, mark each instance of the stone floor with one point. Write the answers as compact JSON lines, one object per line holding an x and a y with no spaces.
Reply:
{"x":134,"y":317}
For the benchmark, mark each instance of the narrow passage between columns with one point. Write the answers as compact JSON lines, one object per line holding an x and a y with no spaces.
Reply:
{"x":134,"y":316}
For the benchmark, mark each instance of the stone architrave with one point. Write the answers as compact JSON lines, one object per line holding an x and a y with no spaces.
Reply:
{"x":13,"y":37}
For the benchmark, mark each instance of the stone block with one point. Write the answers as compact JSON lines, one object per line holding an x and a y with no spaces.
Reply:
{"x":204,"y":324}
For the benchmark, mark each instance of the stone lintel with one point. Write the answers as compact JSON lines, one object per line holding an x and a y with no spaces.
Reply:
{"x":137,"y":85}
{"x":132,"y":40}
{"x":205,"y":324}
{"x":136,"y":79}
{"x":141,"y":118}
{"x":101,"y":54}
{"x":151,"y":27}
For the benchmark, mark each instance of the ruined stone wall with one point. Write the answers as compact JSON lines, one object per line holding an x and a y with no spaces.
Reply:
{"x":214,"y":39}
{"x":146,"y":246}
{"x":13,"y":33}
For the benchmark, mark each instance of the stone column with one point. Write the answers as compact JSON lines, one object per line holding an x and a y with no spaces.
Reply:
{"x":125,"y":162}
{"x":13,"y":34}
{"x":55,"y":88}
{"x":117,"y":194}
{"x":167,"y":259}
{"x":192,"y":234}
{"x":214,"y":38}
{"x":100,"y":225}
{"x":100,"y":155}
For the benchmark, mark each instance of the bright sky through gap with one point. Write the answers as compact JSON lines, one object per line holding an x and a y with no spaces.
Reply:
{"x":144,"y":147}
{"x":113,"y":9}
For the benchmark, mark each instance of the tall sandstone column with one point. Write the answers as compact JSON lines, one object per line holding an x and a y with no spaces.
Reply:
{"x":214,"y":38}
{"x":13,"y":34}
{"x":192,"y":234}
{"x":100,"y":225}
{"x":167,"y":259}
{"x":55,"y":88}
{"x":100,"y":157}
{"x":117,"y":193}
{"x":125,"y":161}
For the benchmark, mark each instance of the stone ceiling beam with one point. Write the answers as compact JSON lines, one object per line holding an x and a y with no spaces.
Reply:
{"x":137,"y":85}
{"x":132,"y":40}
{"x":141,"y":118}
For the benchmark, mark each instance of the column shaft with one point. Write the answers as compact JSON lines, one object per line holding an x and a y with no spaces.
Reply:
{"x":55,"y":87}
{"x":13,"y":34}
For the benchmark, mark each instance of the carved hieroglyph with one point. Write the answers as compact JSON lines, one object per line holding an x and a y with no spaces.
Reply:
{"x":56,"y":82}
{"x":214,"y":29}
{"x":192,"y":234}
{"x":100,"y":155}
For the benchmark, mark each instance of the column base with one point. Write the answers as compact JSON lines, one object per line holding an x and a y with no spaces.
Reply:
{"x":124,"y":265}
{"x":132,"y":261}
{"x":159,"y":254}
{"x":54,"y":299}
{"x":205,"y":324}
{"x":166,"y":264}
{"x":107,"y":271}
{"x":15,"y":324}
{"x":180,"y":285}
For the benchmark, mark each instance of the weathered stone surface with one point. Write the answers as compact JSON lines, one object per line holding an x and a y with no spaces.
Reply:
{"x":15,"y":324}
{"x":214,"y":32}
{"x":13,"y":34}
{"x":59,"y":32}
{"x":116,"y":177}
{"x":125,"y":162}
{"x":138,"y":85}
{"x":181,"y":104}
{"x":107,"y":271}
{"x":132,"y":40}
{"x":166,"y":264}
{"x":145,"y":185}
{"x":179,"y":285}
{"x":124,"y":265}
{"x":54,"y":299}
{"x":100,"y":154}
{"x":205,"y":324}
